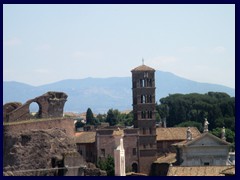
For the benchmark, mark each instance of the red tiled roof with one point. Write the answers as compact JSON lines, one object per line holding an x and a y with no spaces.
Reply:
{"x":143,"y":68}
{"x":175,"y":133}
{"x":85,"y":137}
{"x":169,"y":158}
{"x":196,"y":170}
{"x":229,"y":171}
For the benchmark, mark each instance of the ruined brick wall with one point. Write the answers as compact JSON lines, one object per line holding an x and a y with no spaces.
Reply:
{"x":66,"y":124}
{"x":74,"y":160}
{"x":50,"y":104}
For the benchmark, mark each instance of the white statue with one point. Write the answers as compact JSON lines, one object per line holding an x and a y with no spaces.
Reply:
{"x":205,"y":125}
{"x":189,"y":134}
{"x":223,"y":137}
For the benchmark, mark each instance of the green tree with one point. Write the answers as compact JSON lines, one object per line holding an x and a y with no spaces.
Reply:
{"x":217,"y":107}
{"x":112,"y":117}
{"x":89,"y":117}
{"x":101,"y":117}
{"x":191,"y":124}
{"x":107,"y":164}
{"x":230,"y":135}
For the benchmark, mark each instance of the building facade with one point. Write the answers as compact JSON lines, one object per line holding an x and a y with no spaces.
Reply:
{"x":205,"y":150}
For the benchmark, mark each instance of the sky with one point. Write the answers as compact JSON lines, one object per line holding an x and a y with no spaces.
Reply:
{"x":48,"y":43}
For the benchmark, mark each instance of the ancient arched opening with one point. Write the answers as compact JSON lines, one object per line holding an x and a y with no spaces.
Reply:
{"x":35,"y":110}
{"x":134,"y":167}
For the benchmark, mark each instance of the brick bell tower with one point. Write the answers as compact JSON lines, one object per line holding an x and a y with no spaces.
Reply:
{"x":143,"y":89}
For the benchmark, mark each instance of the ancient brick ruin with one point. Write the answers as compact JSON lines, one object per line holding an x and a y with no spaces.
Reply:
{"x":50,"y":104}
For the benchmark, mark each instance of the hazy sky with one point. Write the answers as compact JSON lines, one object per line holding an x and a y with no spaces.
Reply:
{"x":48,"y":43}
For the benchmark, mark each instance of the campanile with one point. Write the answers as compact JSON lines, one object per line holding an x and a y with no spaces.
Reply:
{"x":144,"y":110}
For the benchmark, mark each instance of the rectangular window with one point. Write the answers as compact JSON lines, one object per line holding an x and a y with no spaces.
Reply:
{"x":206,"y":164}
{"x":150,"y":130}
{"x":150,"y":116}
{"x":146,"y":82}
{"x":134,"y":152}
{"x":150,"y":98}
{"x":145,"y":74}
{"x":141,"y":83}
{"x":150,"y":82}
{"x":143,"y":99}
{"x":144,"y":131}
{"x":103,"y":152}
{"x":143,"y":114}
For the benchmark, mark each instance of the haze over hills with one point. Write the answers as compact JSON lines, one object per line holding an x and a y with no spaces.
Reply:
{"x":101,"y":94}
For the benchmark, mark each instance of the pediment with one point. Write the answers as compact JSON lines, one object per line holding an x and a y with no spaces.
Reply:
{"x":207,"y":140}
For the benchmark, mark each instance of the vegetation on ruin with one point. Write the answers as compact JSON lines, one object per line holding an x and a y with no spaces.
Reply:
{"x":107,"y":164}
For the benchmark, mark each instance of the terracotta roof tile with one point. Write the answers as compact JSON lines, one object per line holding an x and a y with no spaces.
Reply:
{"x":196,"y":170}
{"x":169,"y":158}
{"x":175,"y":133}
{"x":229,"y":171}
{"x":85,"y":137}
{"x":143,"y":68}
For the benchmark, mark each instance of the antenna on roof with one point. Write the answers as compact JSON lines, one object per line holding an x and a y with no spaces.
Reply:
{"x":142,"y":61}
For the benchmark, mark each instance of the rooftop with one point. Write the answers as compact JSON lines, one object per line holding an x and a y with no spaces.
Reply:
{"x":229,"y":171}
{"x":175,"y":133}
{"x":168,"y":158}
{"x":196,"y":170}
{"x":201,"y":136}
{"x":143,"y":68}
{"x":85,"y":137}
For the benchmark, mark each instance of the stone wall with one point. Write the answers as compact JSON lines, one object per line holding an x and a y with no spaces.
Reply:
{"x":50,"y":104}
{"x":130,"y":141}
{"x":62,"y":123}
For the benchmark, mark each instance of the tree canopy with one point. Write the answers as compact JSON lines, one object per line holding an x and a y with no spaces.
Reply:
{"x":217,"y":107}
{"x":90,"y":120}
{"x":107,"y":164}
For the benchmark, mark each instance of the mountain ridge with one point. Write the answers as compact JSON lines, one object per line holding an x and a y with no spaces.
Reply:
{"x":101,"y":94}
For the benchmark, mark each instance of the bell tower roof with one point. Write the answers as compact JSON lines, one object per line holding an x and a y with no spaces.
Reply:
{"x":143,"y":68}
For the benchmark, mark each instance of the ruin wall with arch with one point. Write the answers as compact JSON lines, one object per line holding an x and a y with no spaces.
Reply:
{"x":50,"y":104}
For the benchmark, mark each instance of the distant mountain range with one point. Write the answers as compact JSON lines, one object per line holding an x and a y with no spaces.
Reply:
{"x":101,"y":94}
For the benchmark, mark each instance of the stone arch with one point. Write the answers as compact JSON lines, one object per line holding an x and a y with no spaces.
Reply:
{"x":135,"y":167}
{"x":38,"y":113}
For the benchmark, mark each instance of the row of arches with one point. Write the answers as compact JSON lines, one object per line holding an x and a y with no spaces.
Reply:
{"x":146,"y":99}
{"x":146,"y":114}
{"x":146,"y":82}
